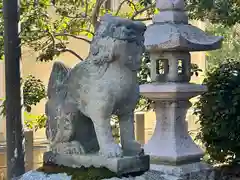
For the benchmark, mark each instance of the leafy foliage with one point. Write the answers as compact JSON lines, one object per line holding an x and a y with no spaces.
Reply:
{"x":195,"y":69}
{"x":144,"y":78}
{"x":33,"y":93}
{"x":34,"y":122}
{"x":218,"y":111}
{"x":231,"y":43}
{"x":216,"y":11}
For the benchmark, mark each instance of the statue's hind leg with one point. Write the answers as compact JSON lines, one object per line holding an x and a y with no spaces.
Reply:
{"x":62,"y":141}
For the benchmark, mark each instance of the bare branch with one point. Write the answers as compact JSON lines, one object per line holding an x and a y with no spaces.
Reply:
{"x":74,"y":36}
{"x":143,"y":19}
{"x":83,"y":16}
{"x":44,"y":45}
{"x":119,"y":7}
{"x":122,"y":3}
{"x":95,"y":12}
{"x":86,"y":8}
{"x":88,"y":31}
{"x":142,"y":11}
{"x":70,"y":51}
{"x":65,"y":49}
{"x":52,"y":38}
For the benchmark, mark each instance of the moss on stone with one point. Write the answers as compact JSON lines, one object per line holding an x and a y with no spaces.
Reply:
{"x":82,"y":173}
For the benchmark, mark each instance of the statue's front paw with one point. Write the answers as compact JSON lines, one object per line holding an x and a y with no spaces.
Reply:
{"x":111,"y":150}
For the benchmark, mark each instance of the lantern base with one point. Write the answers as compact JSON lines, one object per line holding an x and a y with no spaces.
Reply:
{"x":195,"y":171}
{"x":170,"y":143}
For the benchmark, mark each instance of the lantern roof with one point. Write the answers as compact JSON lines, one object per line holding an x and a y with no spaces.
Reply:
{"x":171,"y":31}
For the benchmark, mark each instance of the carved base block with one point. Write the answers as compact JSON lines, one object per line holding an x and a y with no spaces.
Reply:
{"x":123,"y":165}
{"x":194,"y":171}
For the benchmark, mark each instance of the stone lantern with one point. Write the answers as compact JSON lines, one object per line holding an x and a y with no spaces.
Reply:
{"x":169,"y":40}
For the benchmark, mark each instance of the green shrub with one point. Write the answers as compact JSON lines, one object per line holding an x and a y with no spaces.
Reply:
{"x":230,"y":45}
{"x":219,"y":113}
{"x":33,"y":121}
{"x":33,"y":92}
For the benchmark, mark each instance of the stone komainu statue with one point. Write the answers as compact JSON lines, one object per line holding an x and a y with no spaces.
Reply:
{"x":82,"y":100}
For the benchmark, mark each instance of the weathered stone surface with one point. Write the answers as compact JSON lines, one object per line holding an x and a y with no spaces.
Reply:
{"x":171,"y":71}
{"x":171,"y":143}
{"x":184,"y":170}
{"x":171,"y":11}
{"x":171,"y":5}
{"x":193,"y":174}
{"x":171,"y":31}
{"x":170,"y":91}
{"x":119,"y":165}
{"x":82,"y":100}
{"x":179,"y":37}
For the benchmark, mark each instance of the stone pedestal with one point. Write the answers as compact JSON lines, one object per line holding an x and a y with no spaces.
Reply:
{"x":119,"y":165}
{"x":194,"y":171}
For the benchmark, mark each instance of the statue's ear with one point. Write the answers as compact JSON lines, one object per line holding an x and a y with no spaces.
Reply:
{"x":58,"y":74}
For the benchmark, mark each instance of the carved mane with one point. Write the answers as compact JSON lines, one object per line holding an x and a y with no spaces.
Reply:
{"x":111,"y":31}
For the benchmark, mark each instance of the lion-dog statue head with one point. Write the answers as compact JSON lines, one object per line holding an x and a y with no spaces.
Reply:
{"x":114,"y":36}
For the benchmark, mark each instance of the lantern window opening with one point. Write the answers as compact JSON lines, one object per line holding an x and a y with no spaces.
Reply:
{"x":180,"y":66}
{"x":162,"y":66}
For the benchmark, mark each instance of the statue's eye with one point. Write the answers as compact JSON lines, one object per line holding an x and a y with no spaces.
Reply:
{"x":128,"y":27}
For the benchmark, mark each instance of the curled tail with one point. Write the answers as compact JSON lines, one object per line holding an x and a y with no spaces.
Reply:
{"x":58,"y":74}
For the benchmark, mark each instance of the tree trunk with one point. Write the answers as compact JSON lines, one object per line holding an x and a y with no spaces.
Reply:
{"x":12,"y":49}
